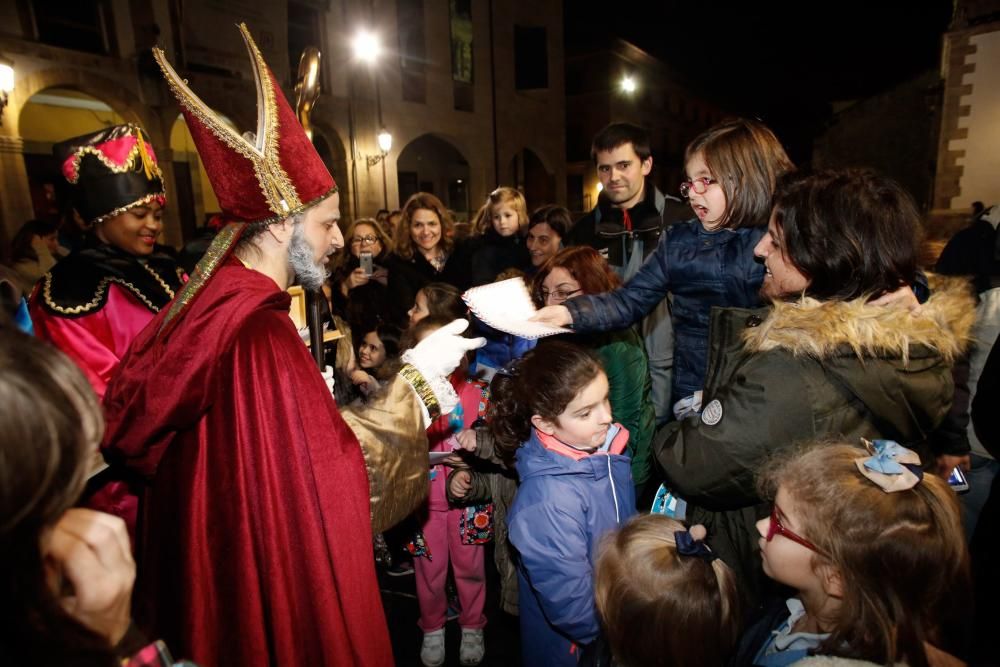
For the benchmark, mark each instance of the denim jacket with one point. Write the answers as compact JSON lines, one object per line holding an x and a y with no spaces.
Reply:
{"x":701,"y":269}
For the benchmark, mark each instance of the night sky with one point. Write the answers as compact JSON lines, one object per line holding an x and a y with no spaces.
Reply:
{"x":783,"y":62}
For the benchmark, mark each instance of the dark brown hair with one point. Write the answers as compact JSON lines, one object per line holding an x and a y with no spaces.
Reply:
{"x":444,"y":300}
{"x":50,"y":425}
{"x":747,"y":160}
{"x":543,"y":383}
{"x":901,"y":556}
{"x":423,"y":200}
{"x":618,"y":134}
{"x":555,"y":216}
{"x":585,"y":265}
{"x":658,"y":607}
{"x":852,"y":233}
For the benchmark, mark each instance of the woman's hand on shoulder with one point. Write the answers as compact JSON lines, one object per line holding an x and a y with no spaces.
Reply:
{"x":901,"y":298}
{"x":89,"y":563}
{"x":555,"y":316}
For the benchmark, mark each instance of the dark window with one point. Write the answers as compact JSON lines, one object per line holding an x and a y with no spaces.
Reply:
{"x":303,"y":30}
{"x":82,"y":26}
{"x":461,"y":40}
{"x":531,"y":58}
{"x":464,"y":96}
{"x":412,"y":49}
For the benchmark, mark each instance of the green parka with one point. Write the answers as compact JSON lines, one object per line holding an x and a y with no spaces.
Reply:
{"x":801,"y":371}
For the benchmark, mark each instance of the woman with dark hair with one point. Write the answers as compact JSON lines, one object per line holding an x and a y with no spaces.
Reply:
{"x":824,"y":361}
{"x":66,"y":573}
{"x":425,"y":253}
{"x":582,"y":270}
{"x":547,"y":227}
{"x":33,"y":251}
{"x":359,"y":280}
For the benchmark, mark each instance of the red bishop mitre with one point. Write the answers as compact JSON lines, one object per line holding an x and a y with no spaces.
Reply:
{"x":264,"y":178}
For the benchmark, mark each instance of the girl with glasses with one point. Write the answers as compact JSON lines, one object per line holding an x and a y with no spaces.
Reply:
{"x":875,"y":552}
{"x":706,"y":262}
{"x":582,"y":270}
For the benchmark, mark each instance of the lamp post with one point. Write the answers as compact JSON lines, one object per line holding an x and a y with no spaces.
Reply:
{"x":367,"y":47}
{"x":628,"y":84}
{"x":6,"y":83}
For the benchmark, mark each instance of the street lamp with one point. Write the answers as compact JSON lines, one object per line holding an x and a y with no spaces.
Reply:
{"x":6,"y":83}
{"x":628,"y":84}
{"x":384,"y":140}
{"x":366,"y":46}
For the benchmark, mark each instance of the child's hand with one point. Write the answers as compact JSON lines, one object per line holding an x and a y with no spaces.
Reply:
{"x":89,"y":563}
{"x":460,"y":483}
{"x":467,"y":440}
{"x":556,"y":316}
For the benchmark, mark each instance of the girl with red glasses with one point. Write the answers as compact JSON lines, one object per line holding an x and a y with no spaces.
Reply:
{"x":875,"y":552}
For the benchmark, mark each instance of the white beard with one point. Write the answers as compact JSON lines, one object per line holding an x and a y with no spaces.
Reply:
{"x":311,"y":274}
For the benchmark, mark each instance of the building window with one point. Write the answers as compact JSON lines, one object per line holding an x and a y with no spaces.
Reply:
{"x":304,"y":23}
{"x":462,"y":70}
{"x":412,"y":49}
{"x":81,"y":26}
{"x":531,"y":58}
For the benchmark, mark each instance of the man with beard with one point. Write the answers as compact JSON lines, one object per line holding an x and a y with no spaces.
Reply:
{"x":625,"y":227}
{"x":255,"y":542}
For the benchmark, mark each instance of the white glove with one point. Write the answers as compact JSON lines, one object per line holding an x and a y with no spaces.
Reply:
{"x":438,"y":355}
{"x":328,"y":378}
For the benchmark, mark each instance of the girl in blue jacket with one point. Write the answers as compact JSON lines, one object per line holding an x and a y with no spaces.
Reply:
{"x":550,"y":413}
{"x":732,"y":170}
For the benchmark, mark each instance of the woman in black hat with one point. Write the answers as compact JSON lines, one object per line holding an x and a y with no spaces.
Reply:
{"x":93,"y":303}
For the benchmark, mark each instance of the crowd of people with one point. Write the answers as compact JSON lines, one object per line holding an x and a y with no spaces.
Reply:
{"x":767,"y":436}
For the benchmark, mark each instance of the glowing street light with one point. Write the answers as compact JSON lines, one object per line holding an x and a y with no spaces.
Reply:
{"x":627,"y":85}
{"x":366,"y":46}
{"x":384,"y":141}
{"x":6,"y":83}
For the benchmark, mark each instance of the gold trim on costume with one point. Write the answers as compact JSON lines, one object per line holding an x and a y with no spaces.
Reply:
{"x":423,"y":390}
{"x":123,"y":168}
{"x":121,"y":209}
{"x":217,"y":251}
{"x":98,"y":296}
{"x":275,"y":185}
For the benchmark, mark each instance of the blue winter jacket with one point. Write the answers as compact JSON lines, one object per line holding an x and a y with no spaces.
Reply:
{"x":562,"y":509}
{"x":701,"y":269}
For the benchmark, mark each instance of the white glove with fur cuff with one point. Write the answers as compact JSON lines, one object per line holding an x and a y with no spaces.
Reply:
{"x":434,"y":358}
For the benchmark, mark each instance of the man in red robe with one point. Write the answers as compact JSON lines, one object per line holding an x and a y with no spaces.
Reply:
{"x":256,"y":534}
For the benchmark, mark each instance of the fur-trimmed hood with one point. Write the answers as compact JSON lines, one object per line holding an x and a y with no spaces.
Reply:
{"x":825,"y":329}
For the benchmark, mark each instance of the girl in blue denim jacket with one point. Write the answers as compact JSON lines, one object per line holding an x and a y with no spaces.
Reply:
{"x":706,"y":262}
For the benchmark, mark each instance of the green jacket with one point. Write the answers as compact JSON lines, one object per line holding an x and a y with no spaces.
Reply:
{"x":802,"y":371}
{"x":631,"y":392}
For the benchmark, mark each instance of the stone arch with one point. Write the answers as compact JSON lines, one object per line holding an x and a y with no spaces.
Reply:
{"x":110,"y":92}
{"x":332,"y":151}
{"x":433,"y":163}
{"x":530,"y":174}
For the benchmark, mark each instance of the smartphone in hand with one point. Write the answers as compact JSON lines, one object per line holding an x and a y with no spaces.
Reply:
{"x":958,"y":481}
{"x":366,"y":262}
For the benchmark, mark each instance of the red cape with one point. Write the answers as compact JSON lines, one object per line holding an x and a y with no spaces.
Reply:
{"x":255,"y":540}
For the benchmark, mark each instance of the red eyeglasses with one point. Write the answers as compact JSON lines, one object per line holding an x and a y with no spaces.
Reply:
{"x":777,"y":528}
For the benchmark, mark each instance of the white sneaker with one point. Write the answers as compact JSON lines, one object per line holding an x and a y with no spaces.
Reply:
{"x":473,"y":647}
{"x":432,"y":650}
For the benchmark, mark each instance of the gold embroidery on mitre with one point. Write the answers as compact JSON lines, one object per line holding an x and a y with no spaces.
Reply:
{"x":275,"y":185}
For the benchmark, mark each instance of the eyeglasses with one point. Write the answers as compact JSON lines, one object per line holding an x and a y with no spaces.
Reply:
{"x":558,"y":295}
{"x":364,"y":240}
{"x":777,"y":528}
{"x":699,"y":185}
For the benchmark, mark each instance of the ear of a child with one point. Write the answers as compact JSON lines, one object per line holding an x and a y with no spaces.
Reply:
{"x":542,"y":424}
{"x":833,"y":582}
